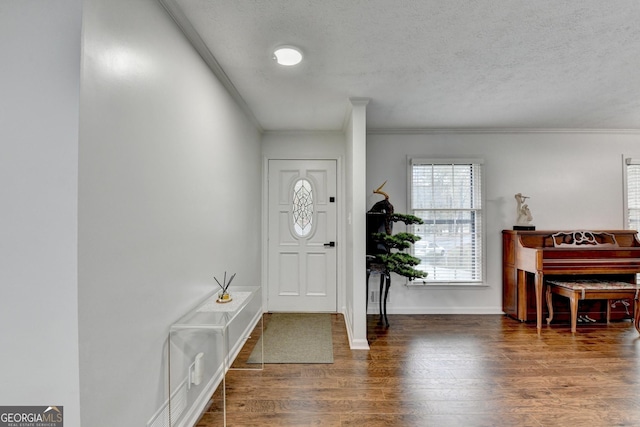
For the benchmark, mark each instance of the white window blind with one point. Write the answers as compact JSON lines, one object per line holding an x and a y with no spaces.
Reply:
{"x":632,"y":194}
{"x":447,"y":195}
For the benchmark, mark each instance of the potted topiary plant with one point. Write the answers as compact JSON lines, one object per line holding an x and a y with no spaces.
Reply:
{"x":385,"y":250}
{"x":394,"y":258}
{"x":388,"y":248}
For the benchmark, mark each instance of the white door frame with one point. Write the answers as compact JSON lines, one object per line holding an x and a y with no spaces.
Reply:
{"x":341,"y":232}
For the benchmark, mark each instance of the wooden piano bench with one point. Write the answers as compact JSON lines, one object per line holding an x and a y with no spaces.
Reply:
{"x":593,"y":289}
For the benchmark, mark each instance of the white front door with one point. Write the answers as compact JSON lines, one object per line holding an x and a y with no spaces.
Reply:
{"x":302,"y":236}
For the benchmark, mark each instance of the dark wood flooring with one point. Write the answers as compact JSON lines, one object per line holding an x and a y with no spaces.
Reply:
{"x":450,"y":370}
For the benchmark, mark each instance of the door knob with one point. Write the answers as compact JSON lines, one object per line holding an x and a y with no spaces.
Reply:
{"x":329,"y":245}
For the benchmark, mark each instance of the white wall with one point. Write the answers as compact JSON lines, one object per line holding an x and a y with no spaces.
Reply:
{"x":169,"y":196}
{"x":574,"y":181}
{"x":39,"y":83}
{"x":303,"y":145}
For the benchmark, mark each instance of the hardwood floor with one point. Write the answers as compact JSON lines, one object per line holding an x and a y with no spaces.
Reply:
{"x":450,"y":370}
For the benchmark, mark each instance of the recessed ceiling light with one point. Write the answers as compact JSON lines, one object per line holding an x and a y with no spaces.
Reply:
{"x":287,"y":55}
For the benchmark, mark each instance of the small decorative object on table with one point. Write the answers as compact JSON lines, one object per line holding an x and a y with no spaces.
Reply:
{"x":223,"y":295}
{"x":523,"y":214}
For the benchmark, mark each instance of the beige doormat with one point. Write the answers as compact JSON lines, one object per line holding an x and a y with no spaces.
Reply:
{"x":295,"y":338}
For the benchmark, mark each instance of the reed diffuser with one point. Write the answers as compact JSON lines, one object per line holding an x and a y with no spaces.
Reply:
{"x":223,"y":295}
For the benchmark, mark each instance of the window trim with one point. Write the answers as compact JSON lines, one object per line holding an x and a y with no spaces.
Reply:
{"x":411,"y":161}
{"x":626,"y":162}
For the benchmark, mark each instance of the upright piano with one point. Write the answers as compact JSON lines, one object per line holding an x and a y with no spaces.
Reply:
{"x":530,"y":257}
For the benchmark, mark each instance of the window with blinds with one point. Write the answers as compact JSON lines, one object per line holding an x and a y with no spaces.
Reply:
{"x":448,"y":196}
{"x":632,"y":194}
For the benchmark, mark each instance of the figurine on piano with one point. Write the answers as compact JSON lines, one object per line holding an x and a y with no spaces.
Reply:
{"x":523,"y":214}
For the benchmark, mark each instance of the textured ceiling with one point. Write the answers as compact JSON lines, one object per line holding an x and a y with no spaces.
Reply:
{"x":427,"y":64}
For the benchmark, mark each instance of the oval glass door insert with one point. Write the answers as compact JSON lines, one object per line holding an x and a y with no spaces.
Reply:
{"x":302,"y":207}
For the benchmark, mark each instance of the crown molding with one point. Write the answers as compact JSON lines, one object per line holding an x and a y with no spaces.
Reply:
{"x":303,"y":132}
{"x":422,"y":131}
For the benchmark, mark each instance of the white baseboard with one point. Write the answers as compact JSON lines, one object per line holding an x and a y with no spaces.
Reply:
{"x":443,"y":310}
{"x":358,"y":344}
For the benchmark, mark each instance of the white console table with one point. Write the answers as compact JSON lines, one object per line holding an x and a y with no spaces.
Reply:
{"x":193,"y":348}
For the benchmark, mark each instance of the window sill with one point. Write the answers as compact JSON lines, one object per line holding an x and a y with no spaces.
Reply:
{"x":446,"y":285}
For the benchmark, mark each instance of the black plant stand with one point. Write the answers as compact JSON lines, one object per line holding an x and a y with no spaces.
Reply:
{"x":385,"y":283}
